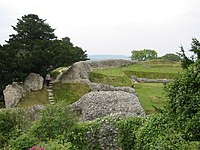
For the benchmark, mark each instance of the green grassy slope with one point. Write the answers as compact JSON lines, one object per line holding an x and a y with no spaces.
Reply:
{"x":68,"y":93}
{"x":150,"y":94}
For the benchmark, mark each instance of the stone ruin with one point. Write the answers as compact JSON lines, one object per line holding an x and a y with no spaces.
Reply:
{"x":14,"y":92}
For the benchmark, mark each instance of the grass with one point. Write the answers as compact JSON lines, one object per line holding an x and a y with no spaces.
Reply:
{"x":68,"y":93}
{"x":148,"y":67}
{"x":34,"y":98}
{"x":120,"y":80}
{"x":150,"y":95}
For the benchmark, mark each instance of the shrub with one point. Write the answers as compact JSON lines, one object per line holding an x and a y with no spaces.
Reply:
{"x":55,"y":121}
{"x":184,"y":101}
{"x":13,"y":122}
{"x":127,"y":129}
{"x":24,"y":141}
{"x":158,"y":133}
{"x":79,"y":136}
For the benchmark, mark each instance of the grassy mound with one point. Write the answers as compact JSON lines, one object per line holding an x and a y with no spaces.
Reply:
{"x":34,"y":98}
{"x":68,"y":93}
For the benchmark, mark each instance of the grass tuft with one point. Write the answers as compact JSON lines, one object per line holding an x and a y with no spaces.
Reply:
{"x":68,"y":93}
{"x":34,"y":98}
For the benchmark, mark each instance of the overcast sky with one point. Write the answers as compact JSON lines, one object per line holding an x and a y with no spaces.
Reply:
{"x":112,"y":26}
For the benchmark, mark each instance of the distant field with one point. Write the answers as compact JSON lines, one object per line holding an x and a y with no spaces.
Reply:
{"x":151,"y":66}
{"x":150,"y":94}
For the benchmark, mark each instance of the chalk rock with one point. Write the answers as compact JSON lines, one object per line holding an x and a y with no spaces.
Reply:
{"x":33,"y":82}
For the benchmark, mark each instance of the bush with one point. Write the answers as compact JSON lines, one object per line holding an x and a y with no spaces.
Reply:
{"x":55,"y":121}
{"x":24,"y":141}
{"x":79,"y":136}
{"x":158,"y":133}
{"x":13,"y":122}
{"x":127,"y":130}
{"x":184,"y":101}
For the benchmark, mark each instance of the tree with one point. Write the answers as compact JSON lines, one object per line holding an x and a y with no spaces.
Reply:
{"x":185,"y":61}
{"x":143,"y":55}
{"x":195,"y":47}
{"x":35,"y":48}
{"x":171,"y":57}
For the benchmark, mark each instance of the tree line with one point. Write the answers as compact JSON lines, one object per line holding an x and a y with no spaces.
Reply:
{"x":148,"y":54}
{"x":34,"y":48}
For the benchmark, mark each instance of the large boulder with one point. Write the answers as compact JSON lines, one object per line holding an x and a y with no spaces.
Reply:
{"x":33,"y":82}
{"x":78,"y":72}
{"x":12,"y":94}
{"x":108,"y":103}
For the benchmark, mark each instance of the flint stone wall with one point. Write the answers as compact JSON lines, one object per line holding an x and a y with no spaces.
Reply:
{"x":104,"y":87}
{"x":78,"y":72}
{"x":145,"y":80}
{"x":108,"y":103}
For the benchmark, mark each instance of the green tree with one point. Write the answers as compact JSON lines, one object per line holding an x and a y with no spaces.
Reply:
{"x":35,"y":48}
{"x":195,"y":47}
{"x":171,"y":57}
{"x":185,"y":61}
{"x":143,"y":55}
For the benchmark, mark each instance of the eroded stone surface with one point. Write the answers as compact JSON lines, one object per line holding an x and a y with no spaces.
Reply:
{"x":108,"y":103}
{"x":12,"y":94}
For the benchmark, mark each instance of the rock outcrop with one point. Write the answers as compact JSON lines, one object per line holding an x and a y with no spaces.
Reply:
{"x":33,"y":82}
{"x":34,"y":112}
{"x":108,"y":103}
{"x":12,"y":94}
{"x":79,"y":70}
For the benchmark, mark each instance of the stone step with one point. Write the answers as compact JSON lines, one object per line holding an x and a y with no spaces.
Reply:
{"x":49,"y":90}
{"x":52,"y":103}
{"x":50,"y":94}
{"x":51,"y":100}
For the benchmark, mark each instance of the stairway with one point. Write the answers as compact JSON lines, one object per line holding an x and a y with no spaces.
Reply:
{"x":50,"y":94}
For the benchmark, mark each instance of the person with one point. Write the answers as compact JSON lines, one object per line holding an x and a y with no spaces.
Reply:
{"x":48,"y":79}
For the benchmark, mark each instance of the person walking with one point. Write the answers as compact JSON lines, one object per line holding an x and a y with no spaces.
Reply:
{"x":48,"y":79}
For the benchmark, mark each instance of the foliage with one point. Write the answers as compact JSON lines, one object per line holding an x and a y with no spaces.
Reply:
{"x":56,"y":120}
{"x":171,"y":57}
{"x":68,"y":93}
{"x":24,"y":141}
{"x":185,"y":61}
{"x":143,"y":55}
{"x":158,"y":133}
{"x":184,"y":101}
{"x":56,"y":144}
{"x":79,"y":136}
{"x":127,"y":129}
{"x":195,"y":47}
{"x":12,"y":124}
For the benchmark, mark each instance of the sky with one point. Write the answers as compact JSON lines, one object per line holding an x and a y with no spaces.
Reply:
{"x":112,"y":26}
